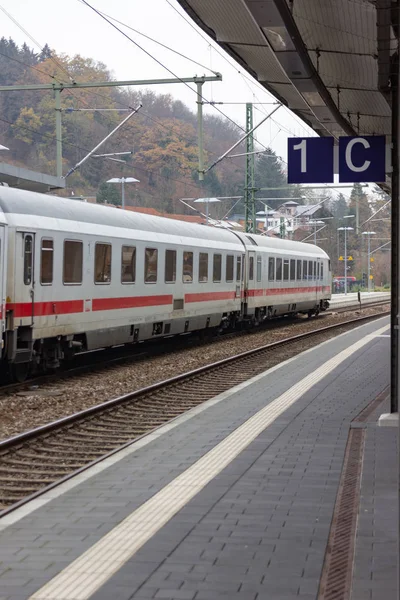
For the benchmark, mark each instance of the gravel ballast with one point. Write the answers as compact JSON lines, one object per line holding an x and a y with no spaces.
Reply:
{"x":51,"y":401}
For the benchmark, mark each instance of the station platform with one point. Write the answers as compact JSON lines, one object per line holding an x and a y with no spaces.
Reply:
{"x":283,"y":488}
{"x":342,"y":300}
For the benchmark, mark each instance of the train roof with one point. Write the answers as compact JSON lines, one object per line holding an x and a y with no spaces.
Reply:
{"x":15,"y":202}
{"x":291,"y":246}
{"x":22,"y":202}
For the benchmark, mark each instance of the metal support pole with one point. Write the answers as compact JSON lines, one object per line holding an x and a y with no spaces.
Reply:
{"x":199,"y":85}
{"x":57,"y":94}
{"x":282,"y":230}
{"x":225,"y":154}
{"x":207,"y":212}
{"x":133,"y":112}
{"x":249,"y":196}
{"x":315,"y":234}
{"x":395,"y":303}
{"x":123,"y":192}
{"x":369,"y":261}
{"x":345,"y":261}
{"x":357,"y":214}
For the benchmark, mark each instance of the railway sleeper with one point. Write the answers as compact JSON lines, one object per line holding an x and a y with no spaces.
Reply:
{"x":68,"y":467}
{"x":93,"y":454}
{"x":58,"y":472}
{"x":26,"y":480}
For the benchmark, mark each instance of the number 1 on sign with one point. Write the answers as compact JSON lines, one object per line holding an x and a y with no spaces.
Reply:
{"x":302,"y":146}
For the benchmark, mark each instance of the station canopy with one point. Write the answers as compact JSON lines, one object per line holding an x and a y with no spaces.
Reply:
{"x":328,"y":61}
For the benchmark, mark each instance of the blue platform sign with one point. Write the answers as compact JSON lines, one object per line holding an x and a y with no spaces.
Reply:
{"x":310,"y":160}
{"x":362,"y":159}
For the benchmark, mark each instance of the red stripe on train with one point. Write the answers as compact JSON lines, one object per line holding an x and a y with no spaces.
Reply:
{"x":64,"y":307}
{"x":282,"y":291}
{"x":42,"y":309}
{"x":209,"y":296}
{"x":130,"y":302}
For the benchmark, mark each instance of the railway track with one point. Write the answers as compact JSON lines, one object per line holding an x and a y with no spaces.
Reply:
{"x":37,"y":460}
{"x":102,"y":359}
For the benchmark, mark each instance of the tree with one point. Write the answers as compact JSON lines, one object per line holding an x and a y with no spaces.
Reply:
{"x":108,"y":193}
{"x":45,"y":53}
{"x":268,"y":173}
{"x":27,"y":124}
{"x":339,"y":207}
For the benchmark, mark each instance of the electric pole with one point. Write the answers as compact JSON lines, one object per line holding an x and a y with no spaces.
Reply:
{"x":249,"y":189}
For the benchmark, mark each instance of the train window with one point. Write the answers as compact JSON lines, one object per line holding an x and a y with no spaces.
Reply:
{"x":278,"y":269}
{"x":329,"y":264}
{"x":251,"y":268}
{"x":259,"y":268}
{"x":46,"y":262}
{"x":299,"y":270}
{"x":305,"y":263}
{"x":286,"y":270}
{"x":102,"y":263}
{"x":217,"y":267}
{"x":150,"y":265}
{"x":28,"y":259}
{"x":128,"y":264}
{"x":229,"y":267}
{"x":170,"y":266}
{"x":203,"y":267}
{"x":271,"y":269}
{"x":238,"y":268}
{"x":73,"y":259}
{"x":315,"y":270}
{"x":310,"y":269}
{"x":292,"y":269}
{"x":187,"y":272}
{"x":322,"y":271}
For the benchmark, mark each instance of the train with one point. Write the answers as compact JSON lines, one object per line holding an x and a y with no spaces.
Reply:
{"x":76,"y":277}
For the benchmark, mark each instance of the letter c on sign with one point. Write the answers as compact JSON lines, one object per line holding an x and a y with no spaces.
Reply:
{"x":349,"y":149}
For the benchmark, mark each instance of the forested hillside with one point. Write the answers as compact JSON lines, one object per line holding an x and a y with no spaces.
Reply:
{"x":162,"y":136}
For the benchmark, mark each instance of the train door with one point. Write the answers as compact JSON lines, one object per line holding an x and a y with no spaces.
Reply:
{"x":250,"y":275}
{"x":240,"y":289}
{"x":25,"y":289}
{"x":317,"y":280}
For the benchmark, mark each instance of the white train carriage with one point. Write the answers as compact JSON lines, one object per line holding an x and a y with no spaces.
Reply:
{"x":86,"y":276}
{"x":80,"y":277}
{"x":285,"y":277}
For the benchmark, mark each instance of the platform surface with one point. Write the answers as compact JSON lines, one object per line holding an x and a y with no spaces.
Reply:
{"x":232,"y":500}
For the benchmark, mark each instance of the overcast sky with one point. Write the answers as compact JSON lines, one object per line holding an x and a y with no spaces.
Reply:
{"x":73,"y":28}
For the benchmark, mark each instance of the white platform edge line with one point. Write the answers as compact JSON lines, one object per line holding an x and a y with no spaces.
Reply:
{"x":63,"y":488}
{"x":107,"y":555}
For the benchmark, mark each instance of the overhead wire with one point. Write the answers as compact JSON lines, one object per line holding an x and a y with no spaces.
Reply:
{"x":72,"y":79}
{"x":54,"y":138}
{"x":243,"y":74}
{"x":126,"y":106}
{"x":63,"y":68}
{"x":156,"y":41}
{"x":34,"y":41}
{"x":159,"y":62}
{"x":34,"y":67}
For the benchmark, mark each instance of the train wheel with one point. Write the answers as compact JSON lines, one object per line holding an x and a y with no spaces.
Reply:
{"x":19,"y":372}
